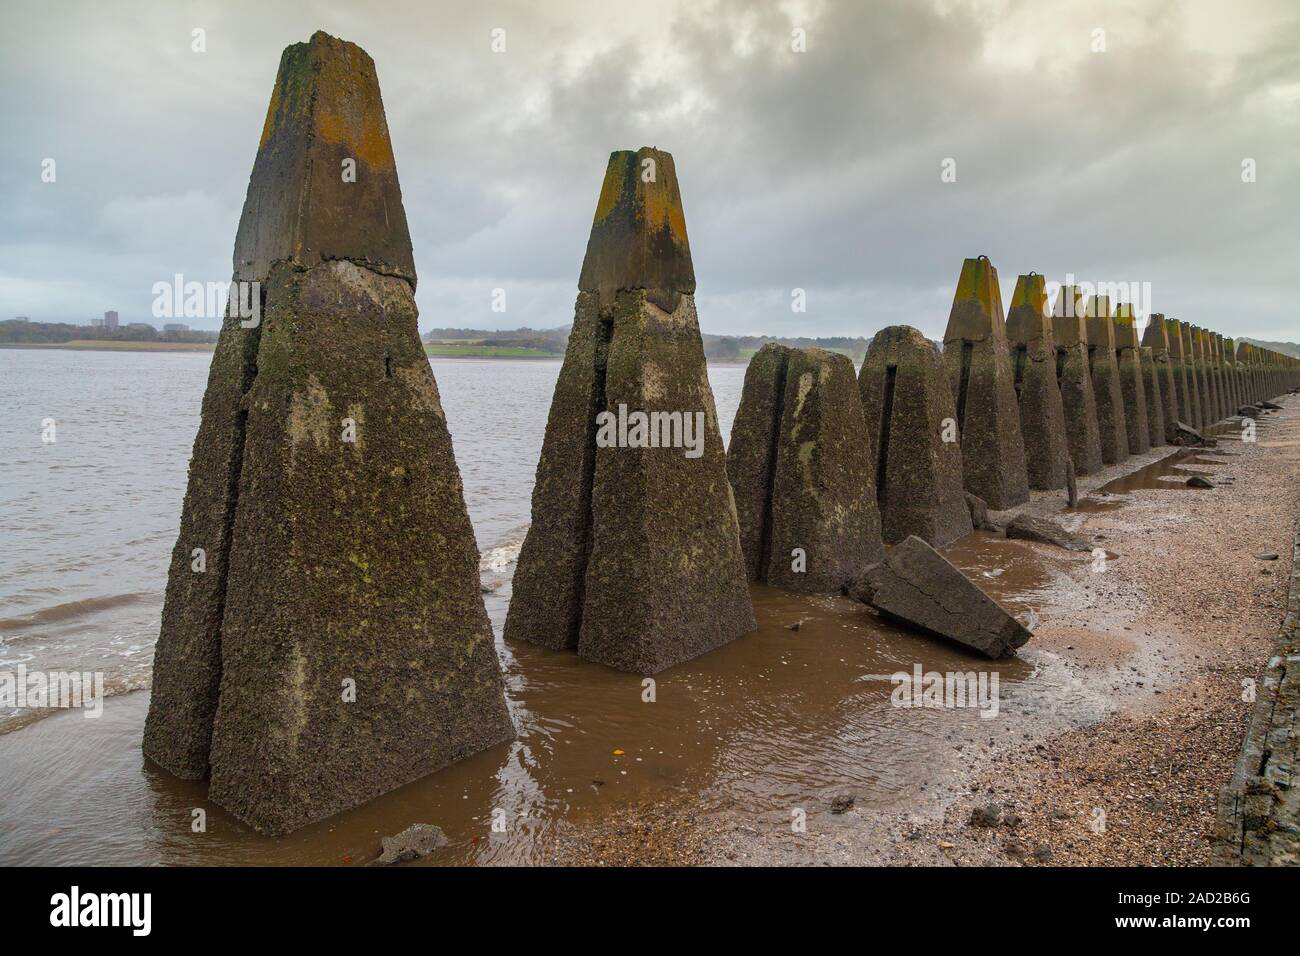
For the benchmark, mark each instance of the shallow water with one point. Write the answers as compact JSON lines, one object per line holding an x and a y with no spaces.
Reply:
{"x":779,"y":719}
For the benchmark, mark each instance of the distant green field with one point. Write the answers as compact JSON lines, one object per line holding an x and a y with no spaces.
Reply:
{"x":472,"y":350}
{"x":114,"y":345}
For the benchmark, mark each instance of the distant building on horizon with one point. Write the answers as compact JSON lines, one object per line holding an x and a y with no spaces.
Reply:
{"x":141,"y":325}
{"x":110,"y":320}
{"x":21,"y":318}
{"x":96,"y":323}
{"x":176,"y":327}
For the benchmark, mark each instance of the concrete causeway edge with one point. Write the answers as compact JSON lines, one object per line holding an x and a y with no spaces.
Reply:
{"x":1259,"y":810}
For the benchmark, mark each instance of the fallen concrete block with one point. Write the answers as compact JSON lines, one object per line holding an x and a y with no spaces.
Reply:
{"x":633,"y":556}
{"x":336,"y":647}
{"x":918,"y":587}
{"x":1033,"y":358}
{"x":912,"y":439}
{"x":1186,"y":435}
{"x":1045,"y":531}
{"x":978,"y":361}
{"x":800,"y":471}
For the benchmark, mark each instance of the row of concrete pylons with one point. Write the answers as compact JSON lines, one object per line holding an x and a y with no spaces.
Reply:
{"x":1070,"y":385}
{"x":324,"y":638}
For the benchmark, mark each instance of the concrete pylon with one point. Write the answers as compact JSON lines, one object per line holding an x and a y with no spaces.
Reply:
{"x":1196,"y":409}
{"x":1202,"y":379}
{"x":1228,"y":349}
{"x":1033,"y":359}
{"x":1105,"y":381}
{"x":633,"y":517}
{"x":1211,"y":379}
{"x":1162,"y":393}
{"x":1128,"y":357}
{"x":1221,"y":364}
{"x":1209,"y":393}
{"x":1212,"y":373}
{"x":983,"y":386}
{"x":324,"y":542}
{"x":1246,"y":360}
{"x":800,"y":470}
{"x":1074,"y":376}
{"x":912,"y":437}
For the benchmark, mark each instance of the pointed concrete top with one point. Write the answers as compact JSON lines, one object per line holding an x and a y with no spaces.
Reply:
{"x":1229,"y":351}
{"x":1154,"y":336}
{"x":1029,"y":321}
{"x":324,"y":183}
{"x":977,"y":306}
{"x":1101,"y":324}
{"x":1069,"y":317}
{"x":1243,"y":353}
{"x":1177,"y":339}
{"x":1126,"y":332}
{"x":638,"y":236}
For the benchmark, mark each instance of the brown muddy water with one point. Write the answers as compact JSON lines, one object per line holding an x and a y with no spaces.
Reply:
{"x":779,"y":719}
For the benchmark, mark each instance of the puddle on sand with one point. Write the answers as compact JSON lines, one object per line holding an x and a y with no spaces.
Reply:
{"x":1170,"y":472}
{"x":776,"y":719}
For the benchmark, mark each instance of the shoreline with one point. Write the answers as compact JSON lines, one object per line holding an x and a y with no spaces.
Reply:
{"x":1165,"y":638}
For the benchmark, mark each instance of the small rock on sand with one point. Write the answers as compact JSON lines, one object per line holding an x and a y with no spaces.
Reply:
{"x":413,"y":843}
{"x":1196,"y":481}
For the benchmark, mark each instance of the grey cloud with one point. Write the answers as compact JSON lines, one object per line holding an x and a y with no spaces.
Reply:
{"x":818,"y":170}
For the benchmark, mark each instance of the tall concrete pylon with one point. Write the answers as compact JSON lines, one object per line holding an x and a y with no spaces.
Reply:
{"x":1195,"y":409}
{"x":1202,"y":379}
{"x":633,"y":517}
{"x":912,"y":437}
{"x":1244,"y":363}
{"x":1105,"y":381}
{"x":1211,"y":379}
{"x":1162,"y":392}
{"x":1229,"y":350}
{"x":978,"y":361}
{"x":1033,"y":359}
{"x":801,"y":472}
{"x":1074,"y":376}
{"x":323,"y":637}
{"x":1128,"y":357}
{"x":1222,"y":363}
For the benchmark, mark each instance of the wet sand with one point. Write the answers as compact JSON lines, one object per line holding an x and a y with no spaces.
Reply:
{"x":1157,"y":644}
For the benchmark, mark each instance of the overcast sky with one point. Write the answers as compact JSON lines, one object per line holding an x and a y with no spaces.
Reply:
{"x":818,"y":170}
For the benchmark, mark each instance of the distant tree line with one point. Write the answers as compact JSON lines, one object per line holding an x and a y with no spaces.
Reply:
{"x":717,"y":348}
{"x":54,"y":333}
{"x":723,"y":348}
{"x":545,"y":340}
